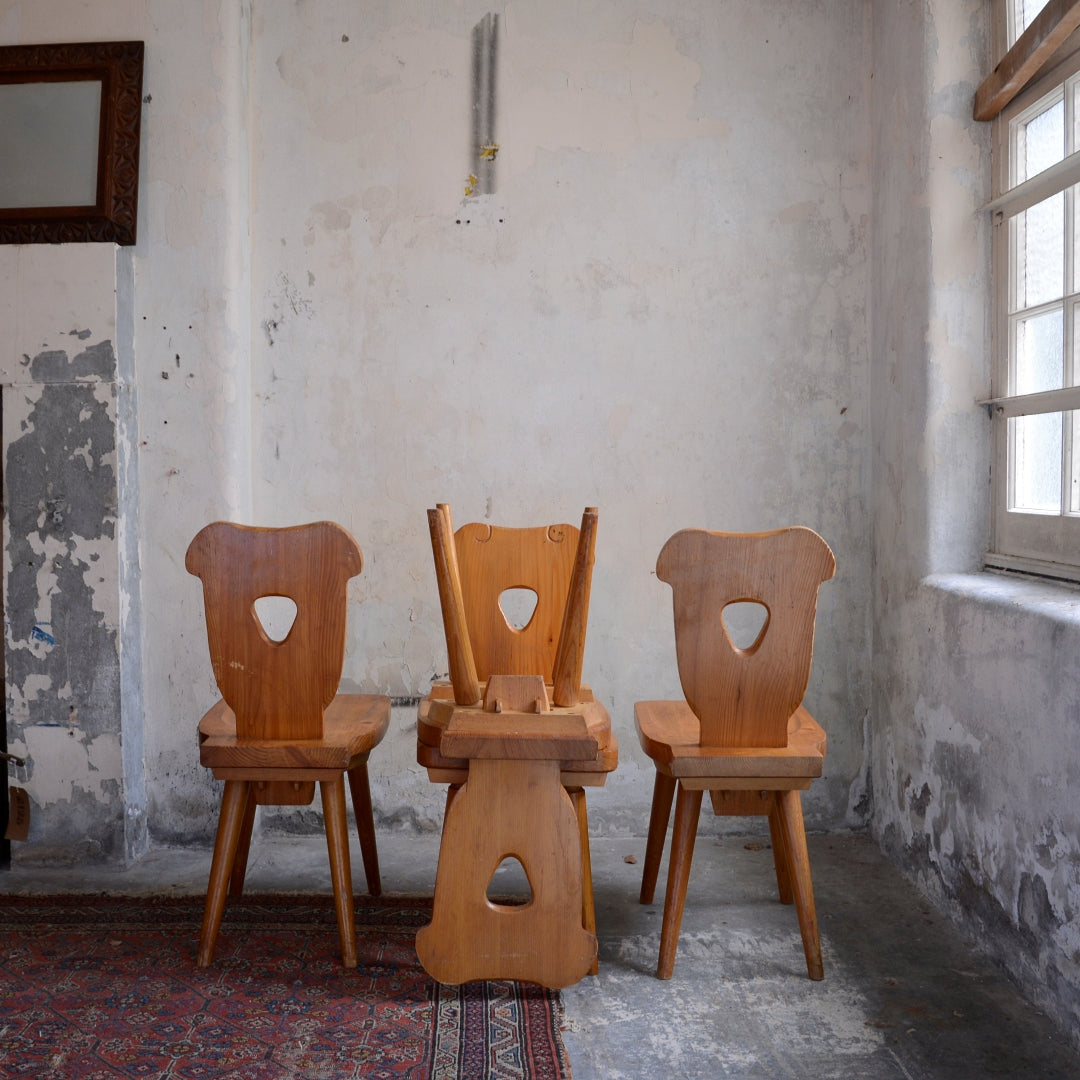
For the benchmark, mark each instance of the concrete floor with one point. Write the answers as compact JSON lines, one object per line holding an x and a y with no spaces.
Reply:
{"x":904,"y":997}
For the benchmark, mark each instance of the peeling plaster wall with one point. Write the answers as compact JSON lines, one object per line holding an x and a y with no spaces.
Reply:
{"x":61,"y":559}
{"x":661,"y":311}
{"x":973,"y":748}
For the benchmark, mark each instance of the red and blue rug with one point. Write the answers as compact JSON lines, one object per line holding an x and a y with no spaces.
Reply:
{"x":97,"y":988}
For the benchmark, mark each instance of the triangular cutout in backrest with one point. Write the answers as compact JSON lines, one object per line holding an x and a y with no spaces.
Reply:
{"x":518,"y":606}
{"x":276,"y":615}
{"x":745,"y":622}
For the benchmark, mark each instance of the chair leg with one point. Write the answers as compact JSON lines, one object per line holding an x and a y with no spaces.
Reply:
{"x":230,"y":821}
{"x":588,"y":903}
{"x":687,"y":809}
{"x":337,"y":843}
{"x":451,"y":793}
{"x":365,"y":826}
{"x":781,"y":858}
{"x":789,"y":806}
{"x":243,"y":848}
{"x":663,"y":793}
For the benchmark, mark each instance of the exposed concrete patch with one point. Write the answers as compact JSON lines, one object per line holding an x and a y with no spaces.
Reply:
{"x":96,"y":362}
{"x":61,"y":602}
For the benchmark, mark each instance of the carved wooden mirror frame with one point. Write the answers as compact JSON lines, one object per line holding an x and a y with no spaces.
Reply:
{"x":117,"y":66}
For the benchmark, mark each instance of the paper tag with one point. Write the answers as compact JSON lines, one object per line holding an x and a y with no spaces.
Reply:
{"x":18,"y":815}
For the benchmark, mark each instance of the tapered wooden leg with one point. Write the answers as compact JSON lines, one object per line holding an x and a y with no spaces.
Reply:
{"x":663,"y":793}
{"x":789,"y":805}
{"x":781,"y":858}
{"x":588,"y":903}
{"x":243,"y":848}
{"x":451,"y":792}
{"x":365,"y":826}
{"x":448,"y":576}
{"x":337,"y":843}
{"x":687,"y":809}
{"x":231,"y":820}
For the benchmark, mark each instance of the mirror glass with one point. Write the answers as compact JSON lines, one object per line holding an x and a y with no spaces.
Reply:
{"x":69,"y":142}
{"x":49,"y":143}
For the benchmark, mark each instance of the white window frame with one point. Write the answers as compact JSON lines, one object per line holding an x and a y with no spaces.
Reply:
{"x":1046,"y":544}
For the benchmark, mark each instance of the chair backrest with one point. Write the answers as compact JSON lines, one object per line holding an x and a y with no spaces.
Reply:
{"x":277,"y":689}
{"x":745,"y":696}
{"x":478,"y":564}
{"x":492,"y":560}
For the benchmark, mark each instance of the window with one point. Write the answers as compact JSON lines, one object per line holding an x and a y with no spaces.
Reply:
{"x":1021,"y":14}
{"x":1035,"y":403}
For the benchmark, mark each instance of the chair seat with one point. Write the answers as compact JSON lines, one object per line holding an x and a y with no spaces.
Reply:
{"x":437,"y":710}
{"x":353,"y":725}
{"x":669,"y":733}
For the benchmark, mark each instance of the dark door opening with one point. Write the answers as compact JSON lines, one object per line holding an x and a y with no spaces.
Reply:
{"x":5,"y":845}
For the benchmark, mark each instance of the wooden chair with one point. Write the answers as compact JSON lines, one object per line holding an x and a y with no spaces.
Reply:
{"x":281,"y":726}
{"x":742,"y":733}
{"x":518,"y":737}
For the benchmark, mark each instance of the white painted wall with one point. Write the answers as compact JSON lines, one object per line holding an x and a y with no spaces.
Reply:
{"x":660,"y":312}
{"x":668,"y":322}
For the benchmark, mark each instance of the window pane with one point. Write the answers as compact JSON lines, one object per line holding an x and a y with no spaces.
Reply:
{"x":1040,"y":142}
{"x":1024,"y":12}
{"x":1038,"y":356}
{"x":1035,"y":454}
{"x":1039,"y":239}
{"x":1072,"y":378}
{"x":1073,"y":87}
{"x":1072,"y":426}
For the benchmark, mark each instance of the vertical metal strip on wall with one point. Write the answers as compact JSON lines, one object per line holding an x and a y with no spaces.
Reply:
{"x":485,"y":43}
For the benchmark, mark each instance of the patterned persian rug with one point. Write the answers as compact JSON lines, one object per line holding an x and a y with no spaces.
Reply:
{"x":96,"y":988}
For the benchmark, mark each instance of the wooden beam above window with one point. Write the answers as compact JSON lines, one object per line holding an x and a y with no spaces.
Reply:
{"x":1023,"y":61}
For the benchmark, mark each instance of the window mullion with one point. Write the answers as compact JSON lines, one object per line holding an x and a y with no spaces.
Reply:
{"x":1069,"y":312}
{"x":1067,"y":321}
{"x":1016,"y":245}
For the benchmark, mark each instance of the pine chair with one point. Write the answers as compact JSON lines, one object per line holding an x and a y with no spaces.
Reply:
{"x":742,"y":733}
{"x":281,"y":726}
{"x":518,"y":737}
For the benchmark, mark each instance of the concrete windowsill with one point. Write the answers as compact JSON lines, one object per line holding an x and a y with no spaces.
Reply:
{"x":1055,"y":601}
